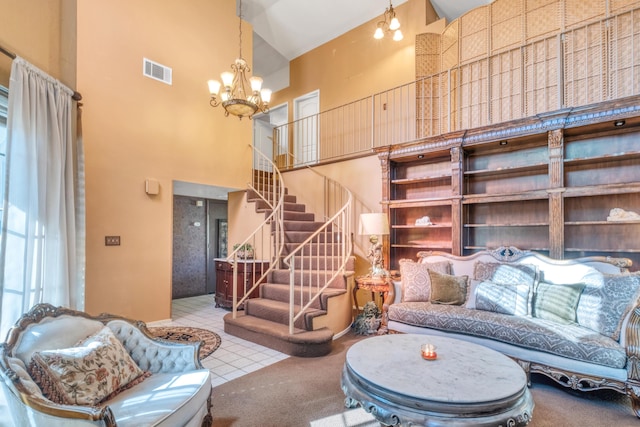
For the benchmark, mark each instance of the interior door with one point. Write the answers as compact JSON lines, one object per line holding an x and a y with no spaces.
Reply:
{"x":263,"y":141}
{"x":305,"y":116}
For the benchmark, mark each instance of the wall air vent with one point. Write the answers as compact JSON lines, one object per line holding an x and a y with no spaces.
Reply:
{"x":156,"y":71}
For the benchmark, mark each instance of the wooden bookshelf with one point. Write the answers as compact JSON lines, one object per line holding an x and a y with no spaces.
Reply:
{"x":545,"y":184}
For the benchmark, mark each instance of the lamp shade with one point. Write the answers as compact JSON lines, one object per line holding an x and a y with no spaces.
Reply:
{"x":373,"y":224}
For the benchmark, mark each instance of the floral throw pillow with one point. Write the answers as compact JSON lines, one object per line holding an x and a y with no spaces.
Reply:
{"x":96,"y":369}
{"x":416,"y":284}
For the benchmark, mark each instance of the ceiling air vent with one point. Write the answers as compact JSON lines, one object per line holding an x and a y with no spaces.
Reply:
{"x":156,"y":71}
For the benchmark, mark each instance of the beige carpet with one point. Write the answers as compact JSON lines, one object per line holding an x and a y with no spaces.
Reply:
{"x":306,"y":392}
{"x":210,"y":340}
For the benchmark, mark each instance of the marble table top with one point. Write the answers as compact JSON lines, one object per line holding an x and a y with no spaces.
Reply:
{"x":463,"y":372}
{"x":466,"y":385}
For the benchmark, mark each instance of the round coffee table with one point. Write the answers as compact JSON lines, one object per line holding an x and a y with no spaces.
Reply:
{"x":467,"y":384}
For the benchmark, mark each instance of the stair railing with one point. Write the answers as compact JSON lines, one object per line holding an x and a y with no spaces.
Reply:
{"x":266,"y":243}
{"x":327,"y":249}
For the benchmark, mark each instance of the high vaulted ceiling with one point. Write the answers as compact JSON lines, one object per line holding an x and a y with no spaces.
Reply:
{"x":286,"y":29}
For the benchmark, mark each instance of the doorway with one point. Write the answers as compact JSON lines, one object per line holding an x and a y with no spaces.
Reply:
{"x":305,"y":116}
{"x":263,"y":125}
{"x":199,"y":237}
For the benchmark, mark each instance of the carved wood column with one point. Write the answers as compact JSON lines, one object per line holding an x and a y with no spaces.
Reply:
{"x":385,"y":171}
{"x":556,"y":190}
{"x":456,"y":201}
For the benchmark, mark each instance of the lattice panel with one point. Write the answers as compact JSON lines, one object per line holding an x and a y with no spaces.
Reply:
{"x":446,"y":78}
{"x":450,"y":46}
{"x":618,"y":6}
{"x":506,"y":86}
{"x":427,"y":54}
{"x":579,"y":12}
{"x":429,"y":106}
{"x":474,"y":34}
{"x":584,"y":65}
{"x":542,"y":19}
{"x":506,"y":24}
{"x":624,"y":69}
{"x":473,"y":93}
{"x":541,"y":77}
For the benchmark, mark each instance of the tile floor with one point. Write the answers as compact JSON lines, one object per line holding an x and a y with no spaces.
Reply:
{"x":235,"y":357}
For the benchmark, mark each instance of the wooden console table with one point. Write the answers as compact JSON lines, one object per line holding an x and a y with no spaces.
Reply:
{"x":249,"y":270}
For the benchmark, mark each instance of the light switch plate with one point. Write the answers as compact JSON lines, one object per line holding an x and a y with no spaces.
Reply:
{"x":112,"y":240}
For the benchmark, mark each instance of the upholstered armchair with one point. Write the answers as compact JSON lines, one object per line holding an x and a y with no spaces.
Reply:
{"x":60,"y":367}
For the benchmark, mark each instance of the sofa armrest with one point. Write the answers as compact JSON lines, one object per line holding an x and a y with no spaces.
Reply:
{"x":153,"y":354}
{"x":395,"y":294}
{"x":632,"y":344}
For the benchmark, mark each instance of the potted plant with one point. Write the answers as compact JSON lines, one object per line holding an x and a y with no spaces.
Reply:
{"x":245,"y":251}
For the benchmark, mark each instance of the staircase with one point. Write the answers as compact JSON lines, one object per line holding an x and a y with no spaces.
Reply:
{"x":305,"y":296}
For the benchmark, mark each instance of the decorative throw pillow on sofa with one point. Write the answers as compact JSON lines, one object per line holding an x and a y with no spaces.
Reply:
{"x":447,"y":289}
{"x":96,"y":369}
{"x":509,"y":274}
{"x":512,"y":299}
{"x":416,"y":284}
{"x":505,"y":273}
{"x":557,"y":303}
{"x":606,"y":300}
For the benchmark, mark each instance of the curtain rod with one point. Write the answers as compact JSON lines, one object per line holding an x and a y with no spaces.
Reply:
{"x":76,"y":96}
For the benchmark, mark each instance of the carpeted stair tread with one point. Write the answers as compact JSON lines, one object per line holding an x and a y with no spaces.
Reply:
{"x":262,"y":206}
{"x":318,"y":277}
{"x":301,"y":236}
{"x":276,"y":336}
{"x":327,"y":262}
{"x":292,"y":225}
{"x":316,"y":249}
{"x":278,"y":311}
{"x":252,"y":196}
{"x":280,"y":292}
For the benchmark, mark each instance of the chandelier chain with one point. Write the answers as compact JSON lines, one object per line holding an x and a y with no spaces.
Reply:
{"x":240,"y":29}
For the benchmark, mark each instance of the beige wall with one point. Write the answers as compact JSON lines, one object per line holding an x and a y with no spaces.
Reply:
{"x":137,"y":128}
{"x":355,"y":65}
{"x":34,"y":30}
{"x":361,"y":176}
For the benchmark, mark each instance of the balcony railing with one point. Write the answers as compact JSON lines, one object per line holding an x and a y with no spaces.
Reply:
{"x":597,"y":62}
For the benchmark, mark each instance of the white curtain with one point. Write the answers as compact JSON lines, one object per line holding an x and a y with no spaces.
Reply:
{"x":39,"y":259}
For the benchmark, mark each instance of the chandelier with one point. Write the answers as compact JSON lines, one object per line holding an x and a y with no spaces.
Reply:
{"x":389,"y":24}
{"x":240,"y":96}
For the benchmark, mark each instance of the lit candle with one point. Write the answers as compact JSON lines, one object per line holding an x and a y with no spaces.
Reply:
{"x":429,"y":351}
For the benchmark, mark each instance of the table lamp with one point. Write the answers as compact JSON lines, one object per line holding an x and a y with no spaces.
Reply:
{"x":374,"y":225}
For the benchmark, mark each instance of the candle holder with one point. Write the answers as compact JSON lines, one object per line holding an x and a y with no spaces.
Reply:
{"x":428,"y":352}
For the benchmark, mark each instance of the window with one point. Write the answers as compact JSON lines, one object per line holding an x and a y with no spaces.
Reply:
{"x":4,"y":98}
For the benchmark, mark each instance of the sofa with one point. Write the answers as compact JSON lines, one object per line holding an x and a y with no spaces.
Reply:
{"x":574,"y":321}
{"x":61,"y":367}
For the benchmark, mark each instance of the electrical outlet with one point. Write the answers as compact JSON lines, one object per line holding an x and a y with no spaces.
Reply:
{"x":112,"y":240}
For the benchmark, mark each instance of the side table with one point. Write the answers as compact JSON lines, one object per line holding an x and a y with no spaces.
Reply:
{"x":383,"y":285}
